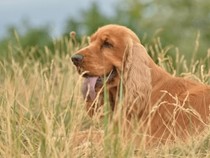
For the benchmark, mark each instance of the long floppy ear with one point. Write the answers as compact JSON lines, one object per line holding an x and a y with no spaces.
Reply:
{"x":136,"y":79}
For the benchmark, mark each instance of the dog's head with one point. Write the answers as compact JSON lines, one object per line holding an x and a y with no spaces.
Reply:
{"x":113,"y":50}
{"x":104,"y":55}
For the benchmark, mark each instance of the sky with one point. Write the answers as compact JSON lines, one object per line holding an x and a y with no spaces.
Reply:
{"x":42,"y":12}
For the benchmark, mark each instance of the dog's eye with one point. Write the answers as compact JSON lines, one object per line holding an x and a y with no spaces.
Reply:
{"x":106,"y":44}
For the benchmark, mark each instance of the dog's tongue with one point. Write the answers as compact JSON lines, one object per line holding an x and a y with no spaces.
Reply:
{"x":88,"y":87}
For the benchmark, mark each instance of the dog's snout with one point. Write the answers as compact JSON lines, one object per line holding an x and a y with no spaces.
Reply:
{"x":77,"y":59}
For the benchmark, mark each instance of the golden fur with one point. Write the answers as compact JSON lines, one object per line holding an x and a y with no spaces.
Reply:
{"x":171,"y":106}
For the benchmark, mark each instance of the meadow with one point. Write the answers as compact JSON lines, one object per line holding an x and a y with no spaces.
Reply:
{"x":41,"y":106}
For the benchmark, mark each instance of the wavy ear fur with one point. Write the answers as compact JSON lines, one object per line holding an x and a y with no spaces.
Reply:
{"x":136,"y":79}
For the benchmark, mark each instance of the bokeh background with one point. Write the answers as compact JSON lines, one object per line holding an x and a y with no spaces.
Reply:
{"x":182,"y":24}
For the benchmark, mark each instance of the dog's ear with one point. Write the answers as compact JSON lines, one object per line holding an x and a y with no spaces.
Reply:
{"x":136,"y":79}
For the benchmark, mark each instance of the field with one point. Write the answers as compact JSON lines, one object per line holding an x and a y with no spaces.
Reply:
{"x":41,"y":108}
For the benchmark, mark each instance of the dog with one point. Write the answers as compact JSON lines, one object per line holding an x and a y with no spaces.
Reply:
{"x":167,"y":107}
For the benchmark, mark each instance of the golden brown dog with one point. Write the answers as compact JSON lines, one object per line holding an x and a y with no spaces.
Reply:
{"x":171,"y":106}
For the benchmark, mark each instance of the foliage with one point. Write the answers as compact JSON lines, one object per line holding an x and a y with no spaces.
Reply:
{"x":87,"y":22}
{"x":27,"y":38}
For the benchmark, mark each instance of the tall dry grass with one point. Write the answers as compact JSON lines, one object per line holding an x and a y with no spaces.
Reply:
{"x":41,"y":108}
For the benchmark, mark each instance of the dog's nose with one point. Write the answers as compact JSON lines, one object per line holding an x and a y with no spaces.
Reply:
{"x":77,"y":59}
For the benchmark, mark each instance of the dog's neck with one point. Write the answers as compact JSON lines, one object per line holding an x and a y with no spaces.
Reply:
{"x":157,"y":74}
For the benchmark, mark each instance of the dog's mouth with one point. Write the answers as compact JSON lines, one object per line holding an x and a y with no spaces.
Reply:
{"x":91,"y":82}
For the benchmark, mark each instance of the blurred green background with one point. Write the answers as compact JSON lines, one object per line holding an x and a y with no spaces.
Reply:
{"x":182,"y":24}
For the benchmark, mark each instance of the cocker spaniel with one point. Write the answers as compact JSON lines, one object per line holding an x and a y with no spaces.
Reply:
{"x":166,"y":107}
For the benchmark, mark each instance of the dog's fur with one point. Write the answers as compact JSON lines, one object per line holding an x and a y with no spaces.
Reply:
{"x":171,"y":106}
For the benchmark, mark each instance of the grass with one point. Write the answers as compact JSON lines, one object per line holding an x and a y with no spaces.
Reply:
{"x":41,"y":108}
